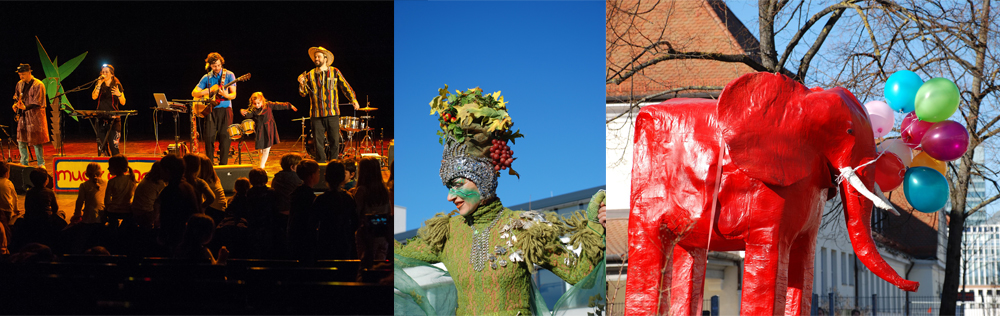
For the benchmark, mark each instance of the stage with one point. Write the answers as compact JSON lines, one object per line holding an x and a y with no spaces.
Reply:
{"x":147,"y":146}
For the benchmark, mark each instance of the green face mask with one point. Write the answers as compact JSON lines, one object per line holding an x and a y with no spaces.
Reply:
{"x":460,"y":189}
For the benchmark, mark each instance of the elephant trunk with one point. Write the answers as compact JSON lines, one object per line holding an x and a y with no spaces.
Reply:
{"x":858,"y":202}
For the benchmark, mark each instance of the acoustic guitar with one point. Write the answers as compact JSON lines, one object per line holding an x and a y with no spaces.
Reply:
{"x":18,"y":113}
{"x":204,"y":105}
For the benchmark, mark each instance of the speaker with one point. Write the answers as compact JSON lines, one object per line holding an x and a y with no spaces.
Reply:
{"x":321,"y":185}
{"x":229,"y":173}
{"x":19,"y":176}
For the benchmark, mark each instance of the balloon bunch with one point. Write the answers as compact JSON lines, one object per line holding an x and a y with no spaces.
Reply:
{"x":926,"y":129}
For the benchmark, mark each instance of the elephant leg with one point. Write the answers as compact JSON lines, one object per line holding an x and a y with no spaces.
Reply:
{"x":798,"y":301}
{"x":688,"y":284}
{"x":647,"y":290}
{"x":765,"y":278}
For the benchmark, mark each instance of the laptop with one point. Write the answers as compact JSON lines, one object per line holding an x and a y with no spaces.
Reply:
{"x":161,"y":101}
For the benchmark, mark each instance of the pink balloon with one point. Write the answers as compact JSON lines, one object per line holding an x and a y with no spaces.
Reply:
{"x":946,"y":141}
{"x":881,"y":117}
{"x":912,"y":130}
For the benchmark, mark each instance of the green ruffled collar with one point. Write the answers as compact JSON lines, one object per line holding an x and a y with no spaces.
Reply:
{"x":485,"y":213}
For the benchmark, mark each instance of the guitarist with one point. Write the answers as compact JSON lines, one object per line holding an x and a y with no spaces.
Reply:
{"x":221,"y":116}
{"x":32,"y":125}
{"x":321,"y":85}
{"x":110,"y":97}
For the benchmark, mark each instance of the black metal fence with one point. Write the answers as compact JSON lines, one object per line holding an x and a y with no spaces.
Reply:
{"x":874,"y":305}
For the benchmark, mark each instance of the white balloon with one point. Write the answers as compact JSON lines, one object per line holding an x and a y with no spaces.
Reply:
{"x":899,"y":148}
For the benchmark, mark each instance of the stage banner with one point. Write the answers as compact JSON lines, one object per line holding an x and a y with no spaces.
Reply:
{"x":70,"y":172}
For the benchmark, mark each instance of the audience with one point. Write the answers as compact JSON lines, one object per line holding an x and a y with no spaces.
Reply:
{"x":286,"y":180}
{"x":8,"y":200}
{"x":333,"y":213}
{"x":145,"y":196}
{"x":375,"y":211}
{"x":238,"y":204}
{"x":176,"y":202}
{"x":301,"y":230}
{"x":203,"y":192}
{"x":198,"y":233}
{"x":42,"y":217}
{"x":351,"y":164}
{"x":118,"y":195}
{"x":263,"y":220}
{"x":216,"y":210}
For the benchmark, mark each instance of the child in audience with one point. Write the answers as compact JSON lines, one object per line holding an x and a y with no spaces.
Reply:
{"x":176,"y":203}
{"x":266,"y":225}
{"x":285,"y":181}
{"x":216,"y":210}
{"x":90,"y":197}
{"x":118,"y":194}
{"x":335,"y":215}
{"x":198,"y":233}
{"x":374,"y":209}
{"x":8,"y":199}
{"x":42,"y":217}
{"x":238,"y":204}
{"x":192,"y":168}
{"x":302,"y":228}
{"x":145,"y":195}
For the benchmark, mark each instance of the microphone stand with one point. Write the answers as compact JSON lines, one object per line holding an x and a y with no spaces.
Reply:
{"x":55,"y":101}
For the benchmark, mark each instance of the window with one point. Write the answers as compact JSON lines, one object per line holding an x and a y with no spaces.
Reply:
{"x":843,"y":268}
{"x":833,"y":268}
{"x":854,"y":271}
{"x":822,"y":272}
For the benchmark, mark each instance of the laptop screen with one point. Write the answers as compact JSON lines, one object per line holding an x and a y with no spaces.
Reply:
{"x":161,"y":100}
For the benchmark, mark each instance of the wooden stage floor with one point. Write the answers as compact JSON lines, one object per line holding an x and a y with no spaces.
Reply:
{"x":143,"y":146}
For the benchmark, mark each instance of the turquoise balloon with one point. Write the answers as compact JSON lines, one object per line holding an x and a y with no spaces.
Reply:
{"x":936,"y":100}
{"x":901,"y":90}
{"x":926,"y":189}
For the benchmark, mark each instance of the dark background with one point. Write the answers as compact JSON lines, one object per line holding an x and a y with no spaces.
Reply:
{"x":160,"y":47}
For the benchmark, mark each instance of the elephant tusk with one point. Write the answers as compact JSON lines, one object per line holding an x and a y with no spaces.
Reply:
{"x":848,"y":173}
{"x":878,"y":192}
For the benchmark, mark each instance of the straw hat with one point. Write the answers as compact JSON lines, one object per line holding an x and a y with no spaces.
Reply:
{"x":329,"y":55}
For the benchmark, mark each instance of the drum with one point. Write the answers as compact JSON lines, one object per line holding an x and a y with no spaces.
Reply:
{"x":350,"y":123}
{"x":235,"y":132}
{"x":248,"y":126}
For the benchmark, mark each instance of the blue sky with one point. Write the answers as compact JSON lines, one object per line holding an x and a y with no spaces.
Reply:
{"x":548,"y":60}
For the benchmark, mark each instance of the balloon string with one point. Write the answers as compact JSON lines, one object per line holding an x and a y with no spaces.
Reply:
{"x":844,"y":175}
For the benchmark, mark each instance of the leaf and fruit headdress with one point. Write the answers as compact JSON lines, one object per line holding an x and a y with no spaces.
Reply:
{"x":475,"y":129}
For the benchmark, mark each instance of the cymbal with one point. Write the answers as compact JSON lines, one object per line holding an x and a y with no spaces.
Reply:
{"x":368,"y":108}
{"x":300,"y":119}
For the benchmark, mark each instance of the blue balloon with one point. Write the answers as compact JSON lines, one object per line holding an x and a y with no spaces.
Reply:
{"x":926,"y":189}
{"x":901,"y":90}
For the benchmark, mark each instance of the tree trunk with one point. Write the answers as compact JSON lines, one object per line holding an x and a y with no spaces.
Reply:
{"x":768,"y":52}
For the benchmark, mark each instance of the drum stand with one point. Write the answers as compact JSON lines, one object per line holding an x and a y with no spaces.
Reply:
{"x":10,"y":143}
{"x":239,"y":151}
{"x":302,"y":138}
{"x":367,"y":145}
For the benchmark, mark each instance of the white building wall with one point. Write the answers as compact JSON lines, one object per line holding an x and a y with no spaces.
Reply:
{"x":399,"y":219}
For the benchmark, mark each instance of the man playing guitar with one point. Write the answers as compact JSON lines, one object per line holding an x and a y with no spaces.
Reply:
{"x":321,"y":85}
{"x":32,"y":124}
{"x":222,"y":114}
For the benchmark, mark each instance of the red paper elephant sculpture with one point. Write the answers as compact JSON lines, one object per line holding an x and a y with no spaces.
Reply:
{"x":766,"y":156}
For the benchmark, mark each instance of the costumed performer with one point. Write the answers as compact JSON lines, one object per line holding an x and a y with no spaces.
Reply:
{"x":491,"y":251}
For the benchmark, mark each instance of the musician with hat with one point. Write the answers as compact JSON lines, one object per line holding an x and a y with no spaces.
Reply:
{"x":322,"y":85}
{"x":222,"y":114}
{"x":110,"y":97}
{"x":30,"y":103}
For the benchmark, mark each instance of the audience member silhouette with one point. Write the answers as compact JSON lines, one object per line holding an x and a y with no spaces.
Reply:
{"x":375,"y":211}
{"x":302,"y":229}
{"x":335,"y":217}
{"x":192,"y":168}
{"x":216,"y":210}
{"x":42,"y":217}
{"x":176,"y":203}
{"x":197,"y":234}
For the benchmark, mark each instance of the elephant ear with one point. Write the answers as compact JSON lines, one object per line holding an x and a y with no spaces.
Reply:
{"x":763,"y":124}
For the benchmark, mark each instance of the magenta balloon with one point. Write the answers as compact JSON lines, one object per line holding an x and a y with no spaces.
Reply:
{"x":912,"y":130}
{"x":946,"y":141}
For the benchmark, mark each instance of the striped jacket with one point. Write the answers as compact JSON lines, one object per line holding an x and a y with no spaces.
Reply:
{"x":322,"y":89}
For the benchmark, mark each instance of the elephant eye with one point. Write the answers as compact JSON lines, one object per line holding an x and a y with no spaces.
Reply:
{"x":850,"y":131}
